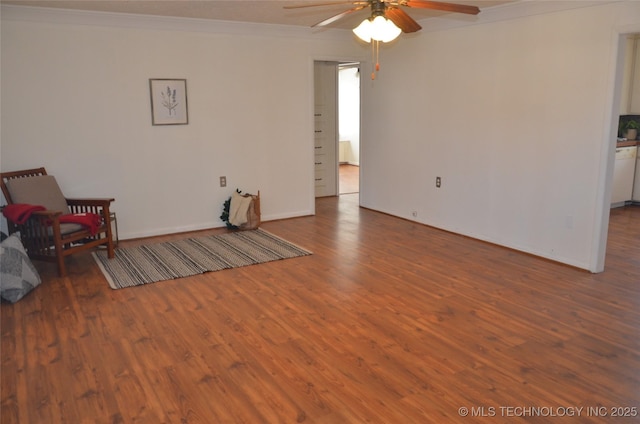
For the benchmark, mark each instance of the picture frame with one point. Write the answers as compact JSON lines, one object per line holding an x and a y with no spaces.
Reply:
{"x":168,"y":101}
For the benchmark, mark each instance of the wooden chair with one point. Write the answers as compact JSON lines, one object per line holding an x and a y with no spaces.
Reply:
{"x":43,"y":235}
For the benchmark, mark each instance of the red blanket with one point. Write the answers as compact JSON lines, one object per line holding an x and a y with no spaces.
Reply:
{"x":90,"y":220}
{"x":18,"y":213}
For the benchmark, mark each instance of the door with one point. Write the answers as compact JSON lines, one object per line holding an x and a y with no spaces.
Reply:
{"x":326,"y":128}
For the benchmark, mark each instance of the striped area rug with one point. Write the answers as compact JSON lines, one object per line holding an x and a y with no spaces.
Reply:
{"x":134,"y":266}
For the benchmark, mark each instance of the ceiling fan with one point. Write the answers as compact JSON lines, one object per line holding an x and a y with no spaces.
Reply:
{"x":391,"y":10}
{"x":387,"y":19}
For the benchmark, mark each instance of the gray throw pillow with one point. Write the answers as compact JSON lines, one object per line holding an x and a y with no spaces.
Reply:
{"x":18,"y":276}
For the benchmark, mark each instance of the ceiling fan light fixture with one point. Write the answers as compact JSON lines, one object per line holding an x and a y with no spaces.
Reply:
{"x":378,"y":29}
{"x":384,"y":30}
{"x":363,"y":31}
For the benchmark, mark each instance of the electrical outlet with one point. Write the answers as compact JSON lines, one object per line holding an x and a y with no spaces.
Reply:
{"x":223,"y":181}
{"x":438,"y":182}
{"x":414,"y":214}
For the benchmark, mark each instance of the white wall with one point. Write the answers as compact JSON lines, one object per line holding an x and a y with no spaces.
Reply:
{"x":513,"y":116}
{"x":75,"y":99}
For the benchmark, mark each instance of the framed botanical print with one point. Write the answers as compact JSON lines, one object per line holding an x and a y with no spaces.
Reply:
{"x":168,"y":101}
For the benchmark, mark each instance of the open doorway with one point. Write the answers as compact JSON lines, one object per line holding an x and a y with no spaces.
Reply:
{"x":621,"y":84}
{"x":349,"y":128}
{"x":337,"y":128}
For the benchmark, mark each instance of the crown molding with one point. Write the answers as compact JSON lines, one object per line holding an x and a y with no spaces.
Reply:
{"x":508,"y":11}
{"x":150,"y":22}
{"x":518,"y":9}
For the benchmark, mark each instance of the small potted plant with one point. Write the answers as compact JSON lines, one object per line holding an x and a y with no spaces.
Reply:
{"x":629,"y":129}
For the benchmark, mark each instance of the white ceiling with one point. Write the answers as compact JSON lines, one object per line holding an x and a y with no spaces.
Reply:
{"x":257,"y":11}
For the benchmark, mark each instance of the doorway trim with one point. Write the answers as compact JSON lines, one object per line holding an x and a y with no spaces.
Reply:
{"x":311,"y":107}
{"x":607,"y":151}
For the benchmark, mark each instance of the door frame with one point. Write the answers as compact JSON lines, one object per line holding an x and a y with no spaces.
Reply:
{"x":311,"y":106}
{"x":607,"y":151}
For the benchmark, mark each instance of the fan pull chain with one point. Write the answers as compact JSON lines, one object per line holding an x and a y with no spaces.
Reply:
{"x":375,"y":57}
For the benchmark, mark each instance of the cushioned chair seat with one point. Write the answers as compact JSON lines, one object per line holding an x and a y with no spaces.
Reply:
{"x":68,"y":228}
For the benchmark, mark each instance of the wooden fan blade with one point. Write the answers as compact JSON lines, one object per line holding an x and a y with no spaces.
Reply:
{"x":403,"y":21}
{"x":438,"y":5}
{"x":333,"y":3}
{"x":338,"y":16}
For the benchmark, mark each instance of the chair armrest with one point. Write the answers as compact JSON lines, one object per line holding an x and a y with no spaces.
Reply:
{"x":97,"y":206}
{"x":39,"y":223}
{"x":44,"y":219}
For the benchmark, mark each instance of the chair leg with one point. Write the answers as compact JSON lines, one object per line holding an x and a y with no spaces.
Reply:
{"x":62,"y":268}
{"x":59,"y":251}
{"x":110,"y":250}
{"x":110,"y":217}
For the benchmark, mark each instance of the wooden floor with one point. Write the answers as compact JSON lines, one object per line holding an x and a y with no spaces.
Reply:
{"x":349,"y":179}
{"x":387,"y":322}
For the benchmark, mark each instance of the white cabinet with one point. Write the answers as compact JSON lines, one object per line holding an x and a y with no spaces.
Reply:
{"x":342,"y":156}
{"x":636,"y":182}
{"x":623,"y":175}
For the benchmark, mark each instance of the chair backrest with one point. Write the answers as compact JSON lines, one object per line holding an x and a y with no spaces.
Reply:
{"x":6,"y":176}
{"x":39,"y":190}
